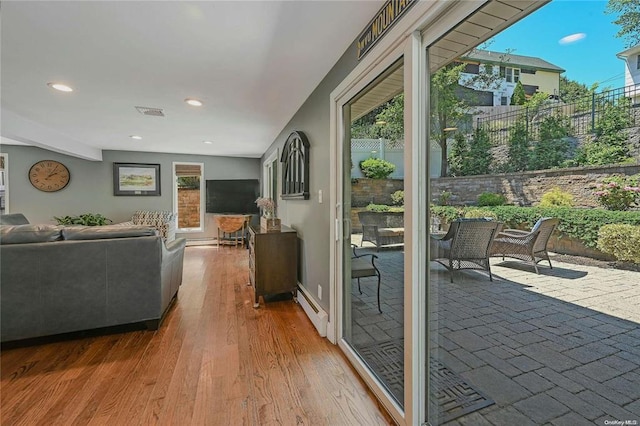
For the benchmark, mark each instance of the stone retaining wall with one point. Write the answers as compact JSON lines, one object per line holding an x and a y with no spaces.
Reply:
{"x":377,"y":191}
{"x":527,"y":188}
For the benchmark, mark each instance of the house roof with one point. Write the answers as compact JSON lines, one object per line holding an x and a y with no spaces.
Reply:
{"x":501,"y":58}
{"x":630,"y":51}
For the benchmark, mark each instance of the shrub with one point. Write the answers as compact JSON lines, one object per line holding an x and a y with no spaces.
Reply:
{"x":398,"y":198}
{"x":189,"y":182}
{"x":612,"y":143}
{"x":556,"y":198}
{"x":87,"y":219}
{"x":443,"y":198}
{"x":552,"y":148}
{"x":618,"y":193}
{"x":376,"y":168}
{"x":518,"y":147}
{"x":518,"y":97}
{"x":378,"y":207}
{"x":479,"y":213}
{"x":581,"y":224}
{"x":621,"y":241}
{"x":491,"y":199}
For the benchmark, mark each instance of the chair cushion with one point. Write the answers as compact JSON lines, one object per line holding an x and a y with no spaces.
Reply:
{"x":362,"y":267}
{"x":390,"y":232}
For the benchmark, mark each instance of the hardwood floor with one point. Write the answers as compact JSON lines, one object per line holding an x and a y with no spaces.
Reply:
{"x":214,"y":361}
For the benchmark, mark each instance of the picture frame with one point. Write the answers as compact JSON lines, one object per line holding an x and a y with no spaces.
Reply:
{"x":136,"y":179}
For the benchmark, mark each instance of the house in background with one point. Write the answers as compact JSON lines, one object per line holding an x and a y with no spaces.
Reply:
{"x":631,"y":58}
{"x":536,"y":75}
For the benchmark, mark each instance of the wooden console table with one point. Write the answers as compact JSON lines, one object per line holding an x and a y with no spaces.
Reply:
{"x":273,"y":261}
{"x":235,"y":224}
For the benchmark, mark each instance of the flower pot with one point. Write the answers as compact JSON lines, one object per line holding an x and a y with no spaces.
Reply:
{"x":270,"y":224}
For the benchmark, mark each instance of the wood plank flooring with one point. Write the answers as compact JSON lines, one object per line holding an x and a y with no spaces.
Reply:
{"x":214,"y":361}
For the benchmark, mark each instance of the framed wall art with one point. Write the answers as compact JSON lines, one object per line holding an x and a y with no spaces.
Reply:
{"x":136,"y":179}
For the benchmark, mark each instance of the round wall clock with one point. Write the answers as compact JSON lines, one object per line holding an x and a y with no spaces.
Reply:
{"x":49,"y":175}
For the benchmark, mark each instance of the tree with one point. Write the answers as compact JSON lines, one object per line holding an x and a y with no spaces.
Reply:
{"x":572,"y":91}
{"x":386,"y":121}
{"x":518,"y":97}
{"x":553,"y":147}
{"x":472,"y":157}
{"x":391,"y":119}
{"x":518,"y":147}
{"x":447,"y":109}
{"x":628,"y":12}
{"x":480,"y":157}
{"x":459,"y":155}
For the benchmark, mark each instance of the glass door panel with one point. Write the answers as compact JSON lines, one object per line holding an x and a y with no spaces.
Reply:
{"x":373,"y":218}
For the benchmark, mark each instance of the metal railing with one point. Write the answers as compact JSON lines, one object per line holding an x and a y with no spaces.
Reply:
{"x":584,"y":114}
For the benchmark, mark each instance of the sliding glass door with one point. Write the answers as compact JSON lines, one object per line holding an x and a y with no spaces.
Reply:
{"x":373,"y":229}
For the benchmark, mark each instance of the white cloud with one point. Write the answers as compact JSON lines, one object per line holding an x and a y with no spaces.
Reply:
{"x":572,"y":38}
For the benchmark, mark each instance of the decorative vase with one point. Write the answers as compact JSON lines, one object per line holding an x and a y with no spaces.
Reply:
{"x":270,"y":224}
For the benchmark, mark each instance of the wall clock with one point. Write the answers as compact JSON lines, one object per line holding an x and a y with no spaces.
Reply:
{"x":49,"y":175}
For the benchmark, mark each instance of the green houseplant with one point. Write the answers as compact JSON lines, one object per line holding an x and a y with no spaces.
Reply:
{"x":87,"y":219}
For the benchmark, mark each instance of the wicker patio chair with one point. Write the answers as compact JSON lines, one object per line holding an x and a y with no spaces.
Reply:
{"x":361,"y":267}
{"x":526,"y":245}
{"x":465,"y":246}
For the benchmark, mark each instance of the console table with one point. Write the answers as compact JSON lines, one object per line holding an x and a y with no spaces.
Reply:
{"x":273,"y":261}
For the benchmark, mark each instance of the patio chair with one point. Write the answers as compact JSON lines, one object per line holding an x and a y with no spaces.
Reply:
{"x":526,"y":245}
{"x":465,"y":245}
{"x":362,"y":267}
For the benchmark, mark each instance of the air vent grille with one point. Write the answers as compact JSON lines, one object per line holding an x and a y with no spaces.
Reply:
{"x":155,"y":112}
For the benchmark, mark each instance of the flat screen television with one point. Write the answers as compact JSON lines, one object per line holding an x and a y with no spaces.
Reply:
{"x":233,"y":196}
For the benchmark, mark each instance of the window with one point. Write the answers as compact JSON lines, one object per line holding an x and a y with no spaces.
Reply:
{"x":527,"y":71}
{"x":512,"y":75}
{"x":638,"y":64}
{"x":472,"y":68}
{"x":188,"y":190}
{"x":503,"y":100}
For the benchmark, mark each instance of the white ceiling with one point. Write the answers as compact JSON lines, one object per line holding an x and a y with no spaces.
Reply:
{"x":253,"y":64}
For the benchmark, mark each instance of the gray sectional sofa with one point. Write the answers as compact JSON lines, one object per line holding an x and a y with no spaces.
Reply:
{"x":59,"y":279}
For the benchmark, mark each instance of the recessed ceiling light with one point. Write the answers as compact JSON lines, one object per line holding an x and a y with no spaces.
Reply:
{"x":136,"y":137}
{"x":193,"y":102}
{"x":207,"y":142}
{"x":59,"y":86}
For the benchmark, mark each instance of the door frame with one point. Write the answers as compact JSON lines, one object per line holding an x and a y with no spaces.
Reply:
{"x":408,"y":38}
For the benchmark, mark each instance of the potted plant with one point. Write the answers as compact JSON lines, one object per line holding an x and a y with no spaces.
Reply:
{"x":268,"y":220}
{"x":87,"y":219}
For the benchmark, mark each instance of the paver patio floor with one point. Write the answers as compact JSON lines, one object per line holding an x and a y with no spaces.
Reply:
{"x":561,"y":347}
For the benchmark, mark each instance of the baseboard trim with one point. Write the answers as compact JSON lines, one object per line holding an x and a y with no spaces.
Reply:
{"x":316,"y":314}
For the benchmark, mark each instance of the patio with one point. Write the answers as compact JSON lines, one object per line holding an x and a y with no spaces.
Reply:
{"x":562,"y":347}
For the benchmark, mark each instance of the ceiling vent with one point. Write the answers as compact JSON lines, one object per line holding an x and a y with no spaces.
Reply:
{"x":156,"y":112}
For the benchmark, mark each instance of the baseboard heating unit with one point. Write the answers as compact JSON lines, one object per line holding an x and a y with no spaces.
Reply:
{"x":316,"y":314}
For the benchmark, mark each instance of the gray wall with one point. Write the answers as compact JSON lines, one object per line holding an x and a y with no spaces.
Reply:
{"x":309,"y":217}
{"x":91,"y":187}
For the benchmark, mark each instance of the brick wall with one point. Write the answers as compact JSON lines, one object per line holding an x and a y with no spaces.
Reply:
{"x":188,"y":208}
{"x":526,"y":188}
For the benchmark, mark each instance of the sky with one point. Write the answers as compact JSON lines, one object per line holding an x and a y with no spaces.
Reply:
{"x":588,"y":53}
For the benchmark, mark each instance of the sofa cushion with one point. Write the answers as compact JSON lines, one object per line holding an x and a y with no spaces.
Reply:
{"x":107,"y":231}
{"x":13,"y":219}
{"x":24,"y":234}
